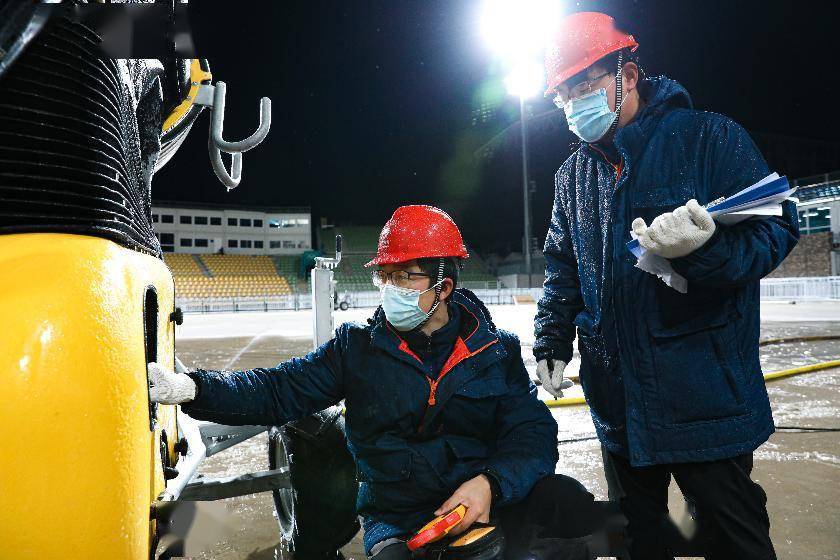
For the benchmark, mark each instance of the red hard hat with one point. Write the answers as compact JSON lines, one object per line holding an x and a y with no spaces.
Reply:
{"x":418,"y":232}
{"x":580,"y":40}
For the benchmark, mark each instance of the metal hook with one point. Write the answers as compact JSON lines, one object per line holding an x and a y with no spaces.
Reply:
{"x":213,"y":96}
{"x":231,"y":181}
{"x":218,"y":119}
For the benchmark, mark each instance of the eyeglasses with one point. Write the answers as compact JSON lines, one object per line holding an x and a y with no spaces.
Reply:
{"x":399,"y":278}
{"x":578,"y":90}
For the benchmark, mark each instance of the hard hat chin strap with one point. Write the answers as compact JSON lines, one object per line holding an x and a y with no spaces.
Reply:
{"x":438,"y":289}
{"x":618,"y":93}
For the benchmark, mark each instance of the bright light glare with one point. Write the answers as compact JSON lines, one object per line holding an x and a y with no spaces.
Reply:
{"x":525,"y":80}
{"x":519,"y":29}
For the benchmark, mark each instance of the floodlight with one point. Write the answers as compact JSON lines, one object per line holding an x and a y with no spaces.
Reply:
{"x":520,"y":29}
{"x":525,"y":80}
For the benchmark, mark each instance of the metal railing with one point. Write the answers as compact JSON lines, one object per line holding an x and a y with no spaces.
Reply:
{"x":822,"y":287}
{"x":234,"y":304}
{"x":367,"y":298}
{"x":365,"y":285}
{"x":771,"y":289}
{"x":818,"y":180}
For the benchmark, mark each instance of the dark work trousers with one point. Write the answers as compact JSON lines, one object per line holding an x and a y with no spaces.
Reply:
{"x":558,"y":520}
{"x":728,"y":507}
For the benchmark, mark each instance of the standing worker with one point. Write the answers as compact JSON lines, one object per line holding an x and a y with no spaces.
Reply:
{"x":440,"y":409}
{"x":672,"y":379}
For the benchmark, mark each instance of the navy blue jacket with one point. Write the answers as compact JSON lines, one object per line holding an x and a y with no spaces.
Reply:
{"x":669,"y":377}
{"x":414,"y":443}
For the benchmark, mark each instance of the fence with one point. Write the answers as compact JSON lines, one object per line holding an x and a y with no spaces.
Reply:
{"x":369,"y":298}
{"x":826,"y":287}
{"x":771,"y":289}
{"x":227,"y":305}
{"x":350,"y":287}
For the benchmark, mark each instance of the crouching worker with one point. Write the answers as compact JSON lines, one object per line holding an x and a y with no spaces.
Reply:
{"x":440,"y":409}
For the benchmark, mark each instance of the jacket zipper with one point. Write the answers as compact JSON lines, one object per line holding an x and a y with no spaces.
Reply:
{"x":619,"y":317}
{"x":432,"y":390}
{"x":433,"y":383}
{"x":432,"y":401}
{"x":619,"y":168}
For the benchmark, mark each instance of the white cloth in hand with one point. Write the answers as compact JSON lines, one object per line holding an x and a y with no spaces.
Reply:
{"x":169,"y":387}
{"x":550,"y":373}
{"x":678,"y":233}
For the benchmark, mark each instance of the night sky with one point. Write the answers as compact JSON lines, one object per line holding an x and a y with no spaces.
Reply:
{"x":373,"y":101}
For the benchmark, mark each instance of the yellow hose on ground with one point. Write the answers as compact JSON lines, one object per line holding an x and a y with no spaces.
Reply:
{"x":804,"y":369}
{"x":815,"y":338}
{"x":772,"y":341}
{"x":564,"y":401}
{"x":773,"y":375}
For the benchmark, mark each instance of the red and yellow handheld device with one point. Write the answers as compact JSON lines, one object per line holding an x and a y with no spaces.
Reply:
{"x":437,"y":528}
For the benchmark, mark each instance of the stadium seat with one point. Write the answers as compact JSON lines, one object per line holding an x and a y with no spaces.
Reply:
{"x":233,"y":276}
{"x":182,"y":264}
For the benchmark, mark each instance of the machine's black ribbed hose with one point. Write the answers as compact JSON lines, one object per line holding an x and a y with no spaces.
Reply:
{"x":70,"y":151}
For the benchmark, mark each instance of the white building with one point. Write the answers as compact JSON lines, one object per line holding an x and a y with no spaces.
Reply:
{"x":186,"y":227}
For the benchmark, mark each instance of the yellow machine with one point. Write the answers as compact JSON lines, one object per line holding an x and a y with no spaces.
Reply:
{"x":90,"y":466}
{"x":82,"y":318}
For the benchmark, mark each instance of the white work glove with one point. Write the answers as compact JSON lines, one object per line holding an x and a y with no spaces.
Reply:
{"x":169,"y":387}
{"x":550,"y":373}
{"x":678,"y":233}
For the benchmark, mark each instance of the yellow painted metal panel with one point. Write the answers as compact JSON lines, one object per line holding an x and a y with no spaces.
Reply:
{"x":80,"y":467}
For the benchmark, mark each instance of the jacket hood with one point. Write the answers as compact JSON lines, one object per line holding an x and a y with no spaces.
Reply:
{"x":662,"y":94}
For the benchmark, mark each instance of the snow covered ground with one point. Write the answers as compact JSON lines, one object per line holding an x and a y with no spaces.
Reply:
{"x":799,"y":472}
{"x":516,"y":318}
{"x":298,"y":324}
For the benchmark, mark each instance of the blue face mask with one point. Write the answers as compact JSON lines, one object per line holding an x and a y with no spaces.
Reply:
{"x":589,"y":116}
{"x":402,"y":306}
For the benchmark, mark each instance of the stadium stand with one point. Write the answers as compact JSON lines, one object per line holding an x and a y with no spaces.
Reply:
{"x":287,"y":266}
{"x":358,"y":239}
{"x":226,"y":276}
{"x":476,"y":272}
{"x":239,"y":265}
{"x":230,"y":286}
{"x":352,"y":274}
{"x":182,"y":264}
